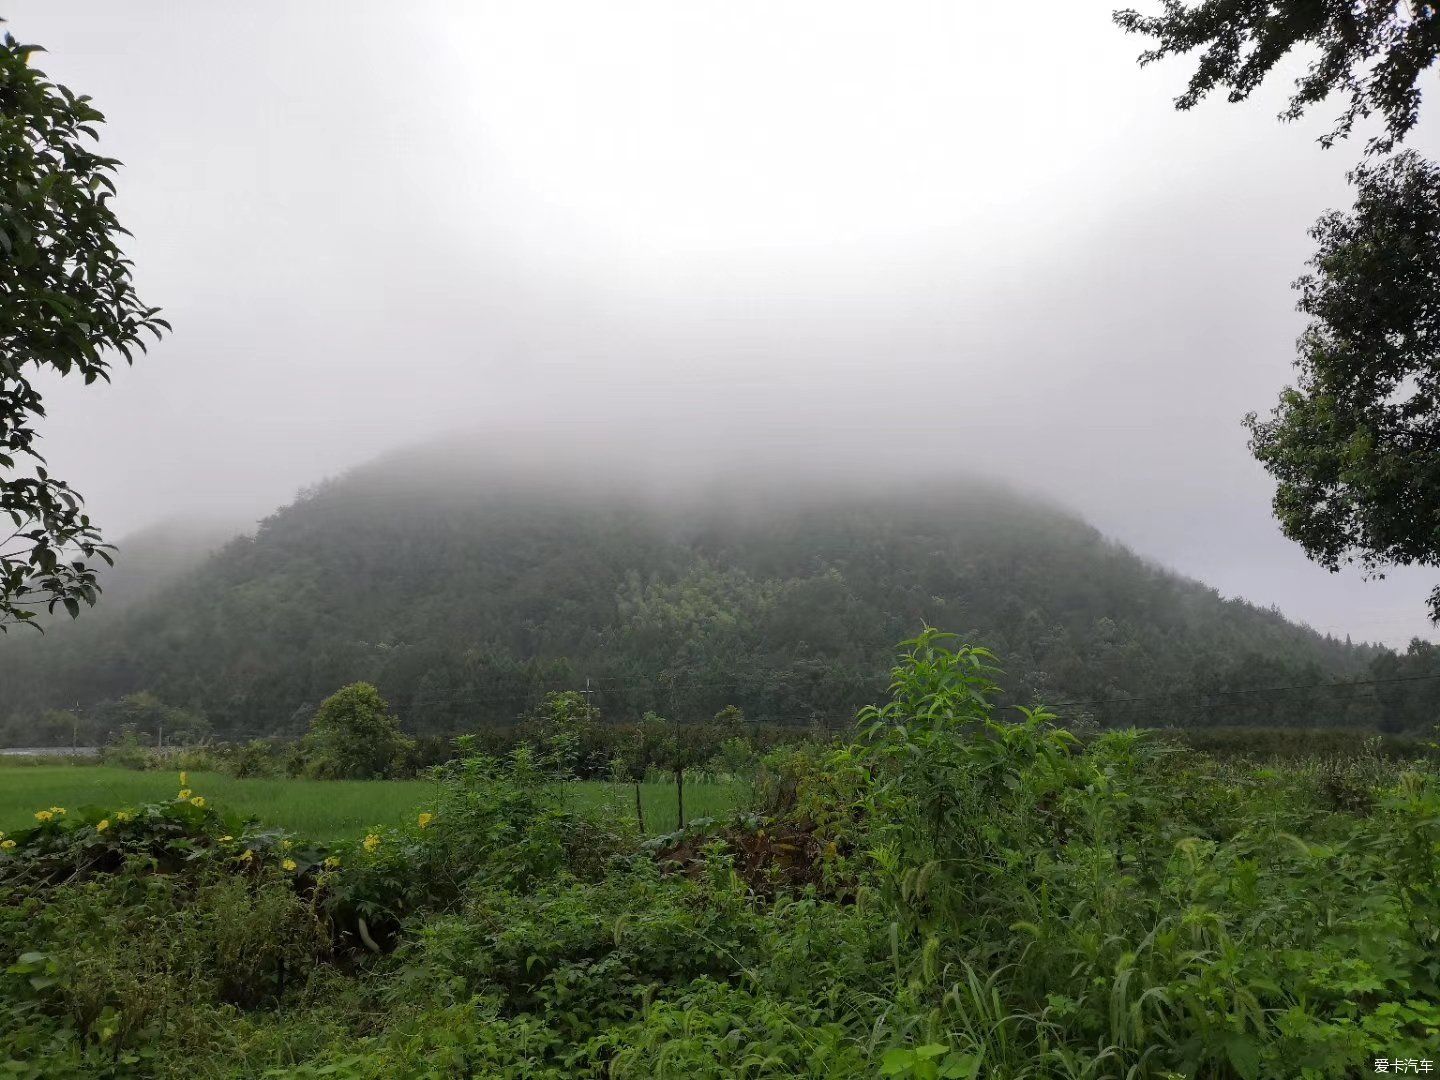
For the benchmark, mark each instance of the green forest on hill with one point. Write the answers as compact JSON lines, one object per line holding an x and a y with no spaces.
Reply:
{"x":466,"y":592}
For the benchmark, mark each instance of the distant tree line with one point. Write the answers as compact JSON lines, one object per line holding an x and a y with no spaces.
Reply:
{"x":1396,"y":693}
{"x":141,"y":717}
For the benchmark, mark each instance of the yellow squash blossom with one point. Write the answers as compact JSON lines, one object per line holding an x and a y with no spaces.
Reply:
{"x":184,"y":794}
{"x":123,"y":816}
{"x":372,"y":841}
{"x":285,"y":845}
{"x":247,"y":855}
{"x":198,"y":800}
{"x":103,"y":825}
{"x":58,"y":811}
{"x":226,"y":839}
{"x":288,"y":864}
{"x":184,"y":780}
{"x":332,"y":863}
{"x":7,"y":844}
{"x":425,"y":819}
{"x":43,"y":816}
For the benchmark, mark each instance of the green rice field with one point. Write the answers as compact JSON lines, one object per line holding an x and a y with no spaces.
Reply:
{"x":323,"y":809}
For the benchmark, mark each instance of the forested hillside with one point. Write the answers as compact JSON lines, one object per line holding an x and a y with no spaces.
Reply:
{"x":156,"y":556}
{"x":465,"y":592}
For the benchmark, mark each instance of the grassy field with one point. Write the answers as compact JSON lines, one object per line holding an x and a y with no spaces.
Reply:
{"x":323,"y":809}
{"x":701,"y":800}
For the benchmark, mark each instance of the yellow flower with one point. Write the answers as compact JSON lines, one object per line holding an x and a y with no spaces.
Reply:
{"x":247,"y":855}
{"x":184,"y":780}
{"x":285,"y":845}
{"x":184,"y":794}
{"x":372,"y":841}
{"x":102,"y":826}
{"x":288,"y":864}
{"x":44,"y":816}
{"x":226,"y":839}
{"x":332,"y":863}
{"x":58,"y":811}
{"x":425,"y":819}
{"x":198,"y":800}
{"x":6,"y":845}
{"x":2,"y":836}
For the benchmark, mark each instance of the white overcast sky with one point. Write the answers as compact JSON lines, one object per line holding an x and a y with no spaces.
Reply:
{"x":754,"y":230}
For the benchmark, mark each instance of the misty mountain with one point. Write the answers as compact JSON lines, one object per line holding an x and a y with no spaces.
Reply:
{"x":148,"y":560}
{"x":464,"y":591}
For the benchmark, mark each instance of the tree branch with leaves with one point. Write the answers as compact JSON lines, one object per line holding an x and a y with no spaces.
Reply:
{"x":68,"y":304}
{"x":1355,"y":444}
{"x":1374,"y":51}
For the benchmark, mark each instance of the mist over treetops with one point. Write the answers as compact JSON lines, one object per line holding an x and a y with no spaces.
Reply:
{"x":465,"y":578}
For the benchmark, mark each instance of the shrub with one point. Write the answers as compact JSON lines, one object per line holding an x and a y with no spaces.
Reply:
{"x":353,"y":736}
{"x":565,"y":728}
{"x":715,"y":1031}
{"x":115,"y":959}
{"x":255,"y":758}
{"x":496,"y":823}
{"x":127,"y":752}
{"x":590,"y":954}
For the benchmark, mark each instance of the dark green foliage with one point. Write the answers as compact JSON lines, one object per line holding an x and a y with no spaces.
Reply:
{"x":66,"y":304}
{"x":636,"y":749}
{"x":148,"y":717}
{"x":1290,"y":744}
{"x":566,"y":728}
{"x":979,"y":895}
{"x":120,"y":925}
{"x":497,"y":823}
{"x":53,"y":727}
{"x":108,"y":967}
{"x":1353,"y":446}
{"x":714,"y":1030}
{"x":1374,"y":51}
{"x":504,"y":822}
{"x":590,"y":955}
{"x":255,"y":758}
{"x":684,"y":747}
{"x":782,"y":603}
{"x":729,"y":723}
{"x":353,"y":737}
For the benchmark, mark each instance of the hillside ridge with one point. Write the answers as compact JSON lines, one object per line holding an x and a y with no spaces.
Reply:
{"x":464,"y":589}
